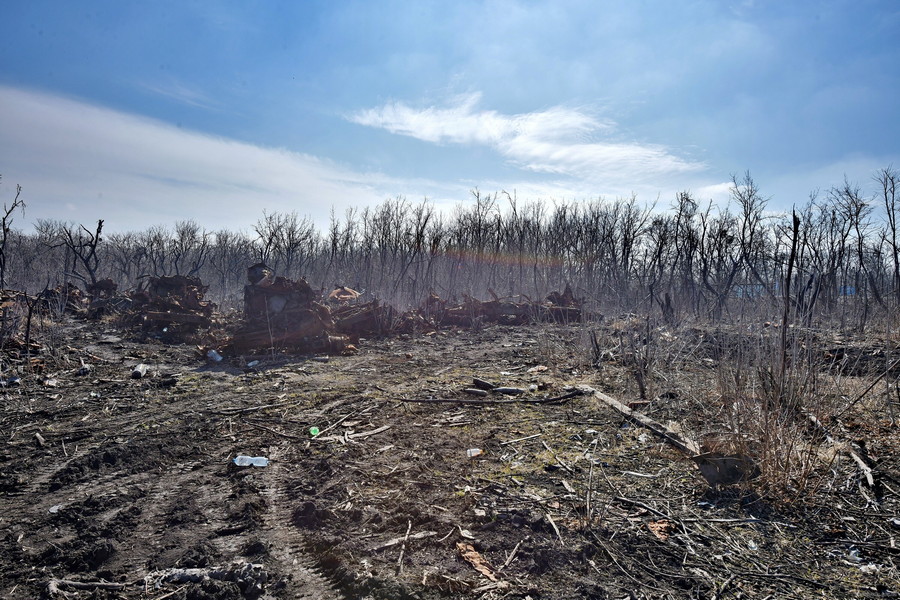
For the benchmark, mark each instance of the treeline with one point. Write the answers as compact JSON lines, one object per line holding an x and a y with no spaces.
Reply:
{"x":835,"y":258}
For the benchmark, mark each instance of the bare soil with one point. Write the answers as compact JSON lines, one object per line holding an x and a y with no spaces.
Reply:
{"x":113,"y":487}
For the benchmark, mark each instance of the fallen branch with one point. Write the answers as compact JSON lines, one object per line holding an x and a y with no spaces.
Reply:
{"x":867,"y":390}
{"x":353,"y":436}
{"x":558,"y":459}
{"x":521,"y":439}
{"x":403,"y":548}
{"x":845,"y":447}
{"x":399,"y":540}
{"x":362,"y":434}
{"x":56,"y":586}
{"x":689,"y":447}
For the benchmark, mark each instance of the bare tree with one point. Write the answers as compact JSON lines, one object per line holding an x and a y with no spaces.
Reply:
{"x":5,"y":227}
{"x":889,"y":180}
{"x":83,"y":243}
{"x":189,"y":248}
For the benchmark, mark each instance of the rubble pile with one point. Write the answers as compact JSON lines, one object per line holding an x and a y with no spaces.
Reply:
{"x":287,"y":314}
{"x":557,"y":307}
{"x":171,"y":303}
{"x":370,"y":318}
{"x":282,"y":313}
{"x":66,"y":297}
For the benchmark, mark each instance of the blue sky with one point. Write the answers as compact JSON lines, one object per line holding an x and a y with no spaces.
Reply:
{"x":146,"y":113}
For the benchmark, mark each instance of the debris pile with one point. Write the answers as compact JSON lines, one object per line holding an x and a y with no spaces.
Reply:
{"x":172,"y":304}
{"x":102,"y":288}
{"x":287,"y":314}
{"x":356,"y":320}
{"x":282,"y":313}
{"x":557,"y":307}
{"x":14,"y":308}
{"x":66,"y":297}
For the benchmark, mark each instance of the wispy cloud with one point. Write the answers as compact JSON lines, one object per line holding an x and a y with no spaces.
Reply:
{"x":558,"y":140}
{"x":81,"y":162}
{"x":175,"y":90}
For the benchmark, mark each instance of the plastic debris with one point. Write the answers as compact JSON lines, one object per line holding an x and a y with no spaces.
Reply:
{"x":251,"y":461}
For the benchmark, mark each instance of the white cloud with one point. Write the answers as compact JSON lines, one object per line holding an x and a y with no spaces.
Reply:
{"x":80,"y":162}
{"x":557,"y":140}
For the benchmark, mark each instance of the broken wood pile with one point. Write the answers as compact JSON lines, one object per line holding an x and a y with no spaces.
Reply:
{"x":287,"y":314}
{"x":66,"y":297}
{"x":282,"y":313}
{"x":557,"y":308}
{"x":371,"y":318}
{"x":173,"y":303}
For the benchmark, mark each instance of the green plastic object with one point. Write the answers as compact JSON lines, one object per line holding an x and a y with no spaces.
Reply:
{"x":314,"y":431}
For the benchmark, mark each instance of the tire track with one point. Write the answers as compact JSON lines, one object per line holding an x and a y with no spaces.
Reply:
{"x":288,"y":544}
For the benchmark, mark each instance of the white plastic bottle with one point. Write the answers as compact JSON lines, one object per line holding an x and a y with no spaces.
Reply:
{"x":248,"y":461}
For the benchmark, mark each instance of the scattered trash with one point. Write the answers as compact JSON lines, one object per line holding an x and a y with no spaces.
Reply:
{"x":474,"y":452}
{"x":55,"y":508}
{"x":475,"y":392}
{"x":252,"y":363}
{"x":41,"y":442}
{"x":84,"y":370}
{"x":314,"y":431}
{"x":248,"y":461}
{"x":139,"y":371}
{"x":214,"y":356}
{"x":870,"y":569}
{"x":537,"y":369}
{"x":853,"y":555}
{"x":10,"y":382}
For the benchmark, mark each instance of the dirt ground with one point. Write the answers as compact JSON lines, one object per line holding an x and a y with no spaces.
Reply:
{"x":113,"y":487}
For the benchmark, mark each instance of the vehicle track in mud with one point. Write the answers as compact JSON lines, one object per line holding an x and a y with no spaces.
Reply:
{"x":125,"y":494}
{"x":134,"y":485}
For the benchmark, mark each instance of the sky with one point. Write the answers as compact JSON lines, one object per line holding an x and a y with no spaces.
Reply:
{"x":149,"y":113}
